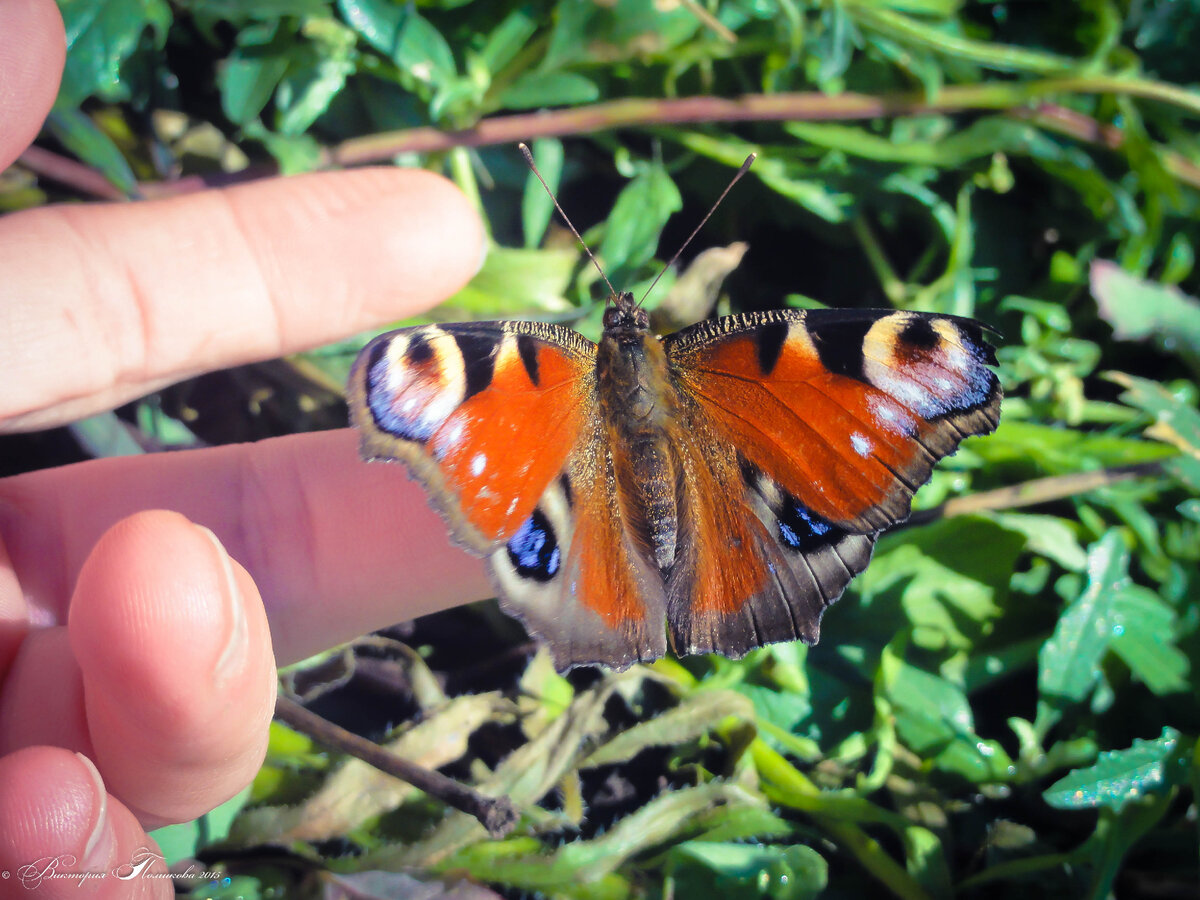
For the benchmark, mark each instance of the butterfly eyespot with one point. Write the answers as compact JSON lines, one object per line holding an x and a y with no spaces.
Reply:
{"x":802,"y":530}
{"x":918,"y":334}
{"x":410,"y":401}
{"x":533,"y":551}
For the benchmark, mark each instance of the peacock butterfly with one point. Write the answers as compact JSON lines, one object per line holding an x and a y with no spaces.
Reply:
{"x":729,"y":479}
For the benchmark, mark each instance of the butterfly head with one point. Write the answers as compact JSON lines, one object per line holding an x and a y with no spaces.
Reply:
{"x":623,"y":315}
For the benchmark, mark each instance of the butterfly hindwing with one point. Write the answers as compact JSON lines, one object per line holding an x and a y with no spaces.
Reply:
{"x":758,"y":567}
{"x":573,"y":577}
{"x":847,"y":412}
{"x":484,"y":414}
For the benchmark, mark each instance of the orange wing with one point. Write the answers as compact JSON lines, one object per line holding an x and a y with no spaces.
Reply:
{"x":498,"y":420}
{"x":847,"y":412}
{"x":485,"y":414}
{"x":573,"y":575}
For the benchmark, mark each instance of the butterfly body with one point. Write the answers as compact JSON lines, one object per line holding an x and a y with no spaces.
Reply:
{"x":719,"y":486}
{"x":640,"y":407}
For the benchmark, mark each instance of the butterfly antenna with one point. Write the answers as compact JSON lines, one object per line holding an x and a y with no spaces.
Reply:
{"x":674,"y":259}
{"x":586,"y":249}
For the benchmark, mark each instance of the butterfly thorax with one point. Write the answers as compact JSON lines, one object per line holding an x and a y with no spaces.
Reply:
{"x":639,"y":405}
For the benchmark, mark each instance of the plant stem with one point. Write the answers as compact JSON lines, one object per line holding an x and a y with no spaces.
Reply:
{"x":496,"y":814}
{"x":811,"y":106}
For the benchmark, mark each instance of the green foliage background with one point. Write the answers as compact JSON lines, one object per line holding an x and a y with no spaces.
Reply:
{"x":1004,"y":704}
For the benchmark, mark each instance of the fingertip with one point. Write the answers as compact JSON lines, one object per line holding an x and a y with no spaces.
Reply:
{"x":152,"y":580}
{"x":58,"y":819}
{"x":32,"y":50}
{"x":178,"y":675}
{"x":370,"y":246}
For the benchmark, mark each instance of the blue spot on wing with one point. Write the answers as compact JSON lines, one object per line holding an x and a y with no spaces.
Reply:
{"x":534,"y":550}
{"x":803,"y":530}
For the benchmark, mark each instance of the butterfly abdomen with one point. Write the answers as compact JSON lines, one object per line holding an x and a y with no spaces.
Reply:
{"x":640,"y":406}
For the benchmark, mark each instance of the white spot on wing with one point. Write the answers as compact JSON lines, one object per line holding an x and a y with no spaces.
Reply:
{"x":453,"y":436}
{"x":891,"y":416}
{"x":862,"y":444}
{"x":478,"y":464}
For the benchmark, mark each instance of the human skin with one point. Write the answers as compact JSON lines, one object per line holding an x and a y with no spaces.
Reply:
{"x":145,"y":601}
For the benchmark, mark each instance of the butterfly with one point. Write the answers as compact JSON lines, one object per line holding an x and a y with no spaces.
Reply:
{"x":716,"y":488}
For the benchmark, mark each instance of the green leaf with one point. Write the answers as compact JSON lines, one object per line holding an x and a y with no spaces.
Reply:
{"x":1069,"y":664}
{"x":948,"y":591}
{"x":1119,"y":776}
{"x":1138,"y":309}
{"x":934,"y":718}
{"x":306,"y":92}
{"x":744,"y":872}
{"x":104,"y":435}
{"x":507,"y":39}
{"x":537,"y":206}
{"x":1175,"y":421}
{"x":422,"y":51}
{"x":316,"y":74}
{"x":249,"y":76}
{"x":698,"y":713}
{"x":238,"y":12}
{"x":378,"y":21}
{"x":783,"y":709}
{"x":637,"y":219}
{"x":400,"y":32}
{"x":293,"y":153}
{"x":668,"y":817}
{"x":981,"y":139}
{"x":1145,"y":640}
{"x":1058,"y":450}
{"x":516,"y":284}
{"x":79,"y":134}
{"x":101,"y":36}
{"x":535,"y":89}
{"x":1048,"y":536}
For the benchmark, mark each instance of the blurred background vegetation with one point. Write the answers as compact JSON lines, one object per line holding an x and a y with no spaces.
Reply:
{"x":1005,"y":703}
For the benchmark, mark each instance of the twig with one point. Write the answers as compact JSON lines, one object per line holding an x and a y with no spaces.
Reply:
{"x":1039,"y":490}
{"x":1062,"y":120}
{"x":1029,"y":99}
{"x":496,"y":814}
{"x":810,"y":106}
{"x":47,"y":164}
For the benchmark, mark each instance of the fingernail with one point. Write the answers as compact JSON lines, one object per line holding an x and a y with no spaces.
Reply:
{"x":235,"y":647}
{"x":98,"y":851}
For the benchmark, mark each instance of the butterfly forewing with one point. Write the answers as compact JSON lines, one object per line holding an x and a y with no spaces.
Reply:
{"x":485,"y":414}
{"x":845,"y":412}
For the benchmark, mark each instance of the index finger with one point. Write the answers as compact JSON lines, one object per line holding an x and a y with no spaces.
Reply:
{"x":108,"y":302}
{"x":336,"y":547}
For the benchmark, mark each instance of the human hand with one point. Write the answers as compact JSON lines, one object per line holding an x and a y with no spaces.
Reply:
{"x":137,"y":636}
